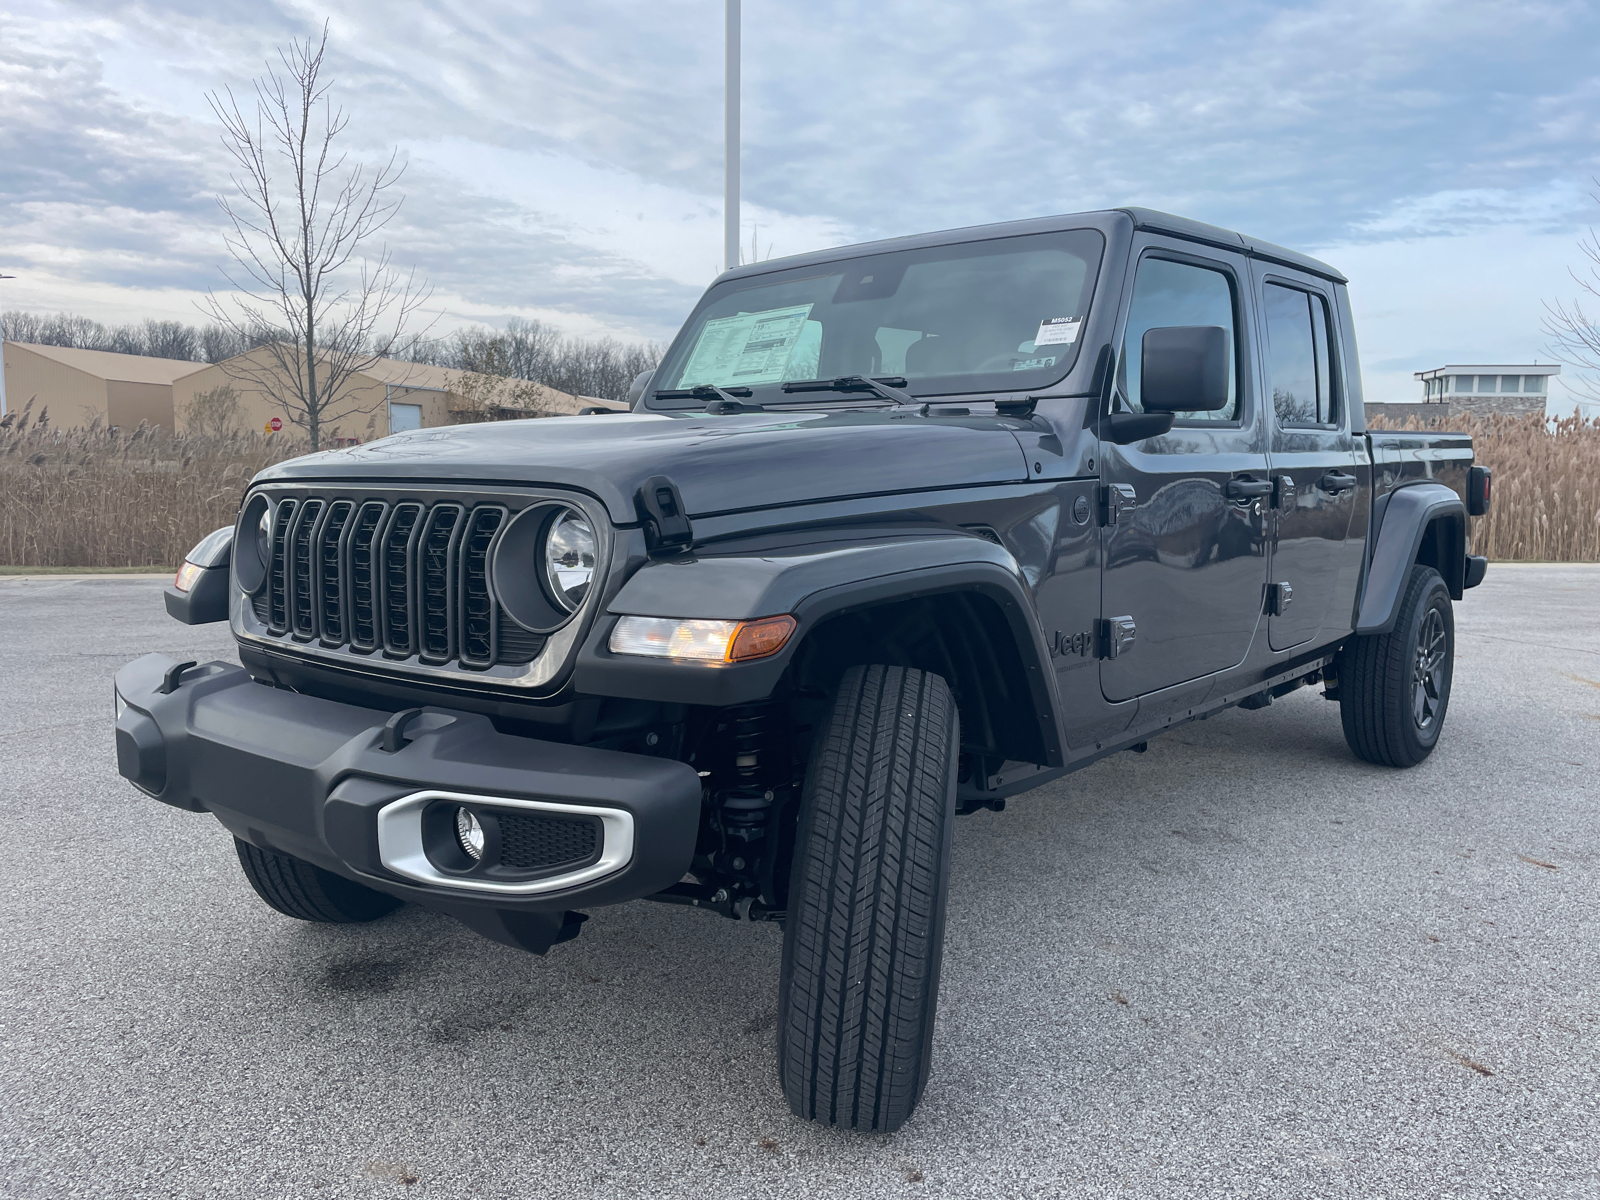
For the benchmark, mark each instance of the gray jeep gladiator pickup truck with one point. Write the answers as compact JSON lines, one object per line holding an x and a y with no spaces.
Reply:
{"x":894,"y":532}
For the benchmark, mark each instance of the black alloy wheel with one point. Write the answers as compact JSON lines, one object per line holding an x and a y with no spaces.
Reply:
{"x":1428,"y":671}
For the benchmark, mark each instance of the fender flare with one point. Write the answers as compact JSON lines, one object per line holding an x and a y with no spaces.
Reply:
{"x":812,"y":582}
{"x":1406,"y":518}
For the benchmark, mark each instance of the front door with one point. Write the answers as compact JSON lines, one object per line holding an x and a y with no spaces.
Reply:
{"x":1313,"y":458}
{"x":1184,"y":537}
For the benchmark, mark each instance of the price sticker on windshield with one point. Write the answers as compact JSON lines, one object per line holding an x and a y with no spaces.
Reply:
{"x":1058,"y":331}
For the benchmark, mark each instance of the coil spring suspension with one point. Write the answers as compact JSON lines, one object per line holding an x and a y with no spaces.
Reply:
{"x":751,"y":727}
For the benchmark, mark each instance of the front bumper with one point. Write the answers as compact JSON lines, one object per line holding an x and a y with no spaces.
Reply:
{"x":312,"y":778}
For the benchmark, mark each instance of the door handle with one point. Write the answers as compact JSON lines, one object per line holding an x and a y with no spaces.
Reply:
{"x":1247,"y":489}
{"x":1334,"y":482}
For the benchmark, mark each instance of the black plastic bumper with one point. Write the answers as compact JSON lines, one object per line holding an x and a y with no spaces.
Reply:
{"x":307,"y":777}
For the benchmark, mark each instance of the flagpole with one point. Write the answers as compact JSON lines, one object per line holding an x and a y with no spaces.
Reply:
{"x":730,"y":187}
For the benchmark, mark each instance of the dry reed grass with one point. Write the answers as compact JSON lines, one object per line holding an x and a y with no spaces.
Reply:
{"x":1546,"y":504}
{"x":99,"y":498}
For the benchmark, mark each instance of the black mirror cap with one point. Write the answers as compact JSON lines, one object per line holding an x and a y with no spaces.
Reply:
{"x":213,"y":550}
{"x":1125,"y":428}
{"x":637,"y":387}
{"x":206,"y":601}
{"x":1184,"y":368}
{"x":1479,"y":481}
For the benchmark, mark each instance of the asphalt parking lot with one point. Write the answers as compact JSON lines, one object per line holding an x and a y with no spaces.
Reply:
{"x":1243,"y":964}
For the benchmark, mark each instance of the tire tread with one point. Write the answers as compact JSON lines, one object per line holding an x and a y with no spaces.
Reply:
{"x":1374,"y":683}
{"x":866,"y":911}
{"x":306,"y":892}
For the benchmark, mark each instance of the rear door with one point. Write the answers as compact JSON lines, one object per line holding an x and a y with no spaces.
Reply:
{"x":1312,"y":454}
{"x":1184,"y":562}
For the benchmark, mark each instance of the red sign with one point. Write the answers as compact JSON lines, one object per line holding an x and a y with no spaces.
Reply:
{"x":275,"y":424}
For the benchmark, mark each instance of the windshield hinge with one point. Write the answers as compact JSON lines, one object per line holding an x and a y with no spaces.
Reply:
{"x":667,"y":529}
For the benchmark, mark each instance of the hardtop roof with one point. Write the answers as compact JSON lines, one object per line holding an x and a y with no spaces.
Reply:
{"x":1148,"y":219}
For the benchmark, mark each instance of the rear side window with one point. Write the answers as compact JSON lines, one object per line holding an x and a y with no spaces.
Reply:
{"x":1299,"y":362}
{"x":1167,"y":293}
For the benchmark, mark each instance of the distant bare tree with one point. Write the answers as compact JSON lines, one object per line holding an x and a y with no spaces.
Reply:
{"x":299,"y":225}
{"x":214,"y":412}
{"x":170,"y":339}
{"x":492,"y":397}
{"x":1575,"y":334}
{"x":534,"y":351}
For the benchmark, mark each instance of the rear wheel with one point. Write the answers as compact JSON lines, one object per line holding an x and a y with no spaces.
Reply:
{"x":297,"y":889}
{"x":1394,"y":687}
{"x":864,"y":933}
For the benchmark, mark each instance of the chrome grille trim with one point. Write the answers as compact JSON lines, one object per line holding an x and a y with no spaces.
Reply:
{"x":387,"y":567}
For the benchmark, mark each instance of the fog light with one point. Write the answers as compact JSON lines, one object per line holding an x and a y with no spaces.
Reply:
{"x":469,"y":832}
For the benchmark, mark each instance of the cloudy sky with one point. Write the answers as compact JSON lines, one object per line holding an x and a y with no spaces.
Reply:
{"x":565,"y":160}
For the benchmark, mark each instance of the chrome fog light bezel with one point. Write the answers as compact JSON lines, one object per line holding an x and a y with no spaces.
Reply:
{"x":401,"y":846}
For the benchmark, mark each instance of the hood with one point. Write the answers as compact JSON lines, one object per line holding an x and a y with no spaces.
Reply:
{"x":720,"y":464}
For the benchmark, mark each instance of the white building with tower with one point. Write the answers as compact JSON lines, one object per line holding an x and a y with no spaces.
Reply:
{"x":1482,"y":389}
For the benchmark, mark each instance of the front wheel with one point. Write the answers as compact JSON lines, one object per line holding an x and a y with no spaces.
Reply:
{"x":864,"y":933}
{"x":1394,"y":687}
{"x":308,"y":893}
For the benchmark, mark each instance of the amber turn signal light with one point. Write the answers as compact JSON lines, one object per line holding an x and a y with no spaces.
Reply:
{"x":186,"y":576}
{"x":760,"y":639}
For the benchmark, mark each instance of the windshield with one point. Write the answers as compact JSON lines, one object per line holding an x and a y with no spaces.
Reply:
{"x":999,"y":315}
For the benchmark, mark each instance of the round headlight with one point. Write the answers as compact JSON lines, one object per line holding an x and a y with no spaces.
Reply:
{"x":252,"y":547}
{"x":569,"y":559}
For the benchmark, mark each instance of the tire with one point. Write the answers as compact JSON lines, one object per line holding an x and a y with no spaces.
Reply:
{"x":298,"y":889}
{"x":864,"y":932}
{"x":1394,"y":688}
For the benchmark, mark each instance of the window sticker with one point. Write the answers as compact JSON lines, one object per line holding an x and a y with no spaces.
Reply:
{"x":747,"y":348}
{"x":1033,"y":364}
{"x":1058,"y":331}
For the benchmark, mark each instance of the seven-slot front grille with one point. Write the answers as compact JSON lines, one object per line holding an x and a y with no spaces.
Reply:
{"x":403,"y":579}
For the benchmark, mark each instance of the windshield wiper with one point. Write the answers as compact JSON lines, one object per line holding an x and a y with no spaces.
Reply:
{"x":888,"y":387}
{"x":718,"y":400}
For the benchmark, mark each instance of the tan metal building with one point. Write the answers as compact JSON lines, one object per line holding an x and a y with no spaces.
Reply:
{"x":79,"y":387}
{"x":82,"y":386}
{"x":387,"y":397}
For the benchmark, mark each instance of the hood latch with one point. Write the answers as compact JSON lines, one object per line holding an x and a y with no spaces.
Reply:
{"x":667,"y":530}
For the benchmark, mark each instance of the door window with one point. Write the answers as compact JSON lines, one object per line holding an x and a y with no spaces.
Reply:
{"x":1299,"y":366}
{"x":1168,"y":293}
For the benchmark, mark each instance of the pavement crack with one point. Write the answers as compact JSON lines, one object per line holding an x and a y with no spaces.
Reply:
{"x":1537,"y":863}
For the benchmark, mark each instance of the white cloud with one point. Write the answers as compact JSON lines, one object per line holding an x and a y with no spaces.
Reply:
{"x":566,"y":159}
{"x":1474,"y":298}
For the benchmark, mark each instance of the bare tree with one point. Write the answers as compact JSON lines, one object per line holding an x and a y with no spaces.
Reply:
{"x":1575,"y":334}
{"x":214,"y":412}
{"x":299,"y":224}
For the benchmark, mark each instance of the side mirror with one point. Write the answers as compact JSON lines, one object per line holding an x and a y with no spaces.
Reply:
{"x":637,"y":387}
{"x":198,"y":595}
{"x":1184,"y":368}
